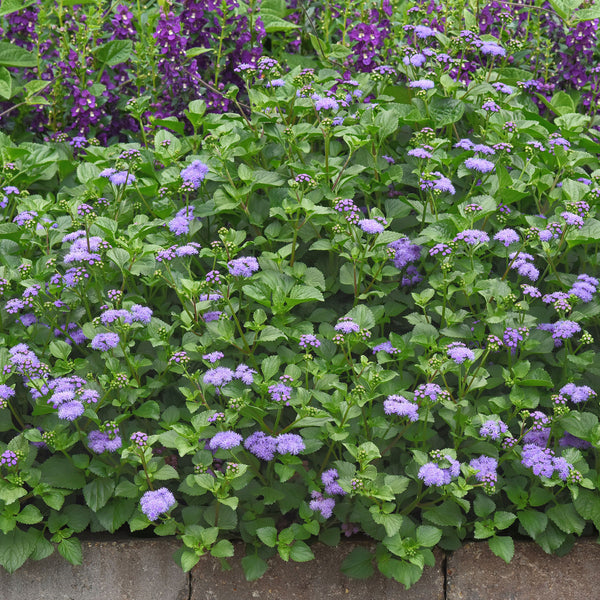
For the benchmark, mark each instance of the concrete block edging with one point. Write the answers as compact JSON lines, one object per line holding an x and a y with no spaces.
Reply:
{"x":143,"y":569}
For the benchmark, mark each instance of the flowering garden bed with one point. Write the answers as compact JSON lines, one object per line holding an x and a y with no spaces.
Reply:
{"x":279,"y":274}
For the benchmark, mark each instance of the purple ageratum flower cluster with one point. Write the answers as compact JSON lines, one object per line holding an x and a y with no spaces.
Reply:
{"x":346,"y":325}
{"x":419,"y":153}
{"x":430,"y":391}
{"x":180,"y":224}
{"x":225,"y":440}
{"x":372,"y":226}
{"x":422,"y":84}
{"x":139,"y":438}
{"x":136,"y":314}
{"x":441,"y":249}
{"x":459,"y":352}
{"x":213,"y":357}
{"x":308,"y":340}
{"x":441,"y":184}
{"x":513,"y":337}
{"x":561,"y":330}
{"x":507,"y":237}
{"x":325,"y":103}
{"x":481,"y":165}
{"x":543,"y":462}
{"x":194,"y":174}
{"x":584,"y":288}
{"x":84,"y":249}
{"x":472,"y":237}
{"x":493,"y":429}
{"x":486,"y":467}
{"x":261,"y":445}
{"x":157,"y":502}
{"x":9,"y":458}
{"x":280,"y":392}
{"x":572,"y":219}
{"x":432,"y":474}
{"x":399,"y":405}
{"x":577,"y":393}
{"x":265,"y":446}
{"x":220,"y":376}
{"x":99,"y":441}
{"x":404,"y":252}
{"x":321,"y":504}
{"x":25,"y":362}
{"x":539,"y":437}
{"x":244,"y":266}
{"x":522,"y":263}
{"x":289,"y":443}
{"x":385,"y":347}
{"x":6,"y":393}
{"x":531,"y":291}
{"x":105,"y":341}
{"x":330,"y":481}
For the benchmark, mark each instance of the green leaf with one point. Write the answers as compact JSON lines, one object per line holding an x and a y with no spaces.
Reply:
{"x":5,"y":83}
{"x":254,"y":567}
{"x":30,"y":515}
{"x":363,"y":316}
{"x":392,"y":523}
{"x":116,"y":513}
{"x":119,"y":256}
{"x":15,"y":548}
{"x":301,"y":552}
{"x":114,"y":52}
{"x":222,"y":549}
{"x":483,"y":506}
{"x":587,"y":14}
{"x":43,"y":548}
{"x":269,"y":366}
{"x":445,"y":111}
{"x":565,"y":517}
{"x":580,"y":424}
{"x":12,"y":55}
{"x":387,"y":123}
{"x":502,"y":546}
{"x":503,"y":519}
{"x":98,"y":492}
{"x":166,"y":472}
{"x":587,"y":504}
{"x":77,"y":517}
{"x":537,"y":377}
{"x":428,"y":536}
{"x":148,"y":410}
{"x":187,"y":559}
{"x":267,"y":535}
{"x":9,"y":492}
{"x":70,"y":549}
{"x":447,"y":514}
{"x":274,"y":23}
{"x":59,"y":472}
{"x":358,"y":564}
{"x":533,"y":521}
{"x":565,"y":8}
{"x":401,"y":571}
{"x":11,"y":6}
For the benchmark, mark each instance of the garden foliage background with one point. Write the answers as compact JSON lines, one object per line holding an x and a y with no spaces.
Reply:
{"x":291,"y":271}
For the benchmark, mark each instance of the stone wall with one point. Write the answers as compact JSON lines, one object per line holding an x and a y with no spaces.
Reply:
{"x":144,"y":570}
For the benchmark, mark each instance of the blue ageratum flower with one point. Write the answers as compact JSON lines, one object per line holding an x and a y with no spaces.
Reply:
{"x":225,"y":440}
{"x":105,"y":341}
{"x":157,"y":502}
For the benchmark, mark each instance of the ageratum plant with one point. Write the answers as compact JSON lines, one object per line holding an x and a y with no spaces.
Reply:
{"x":363,"y":303}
